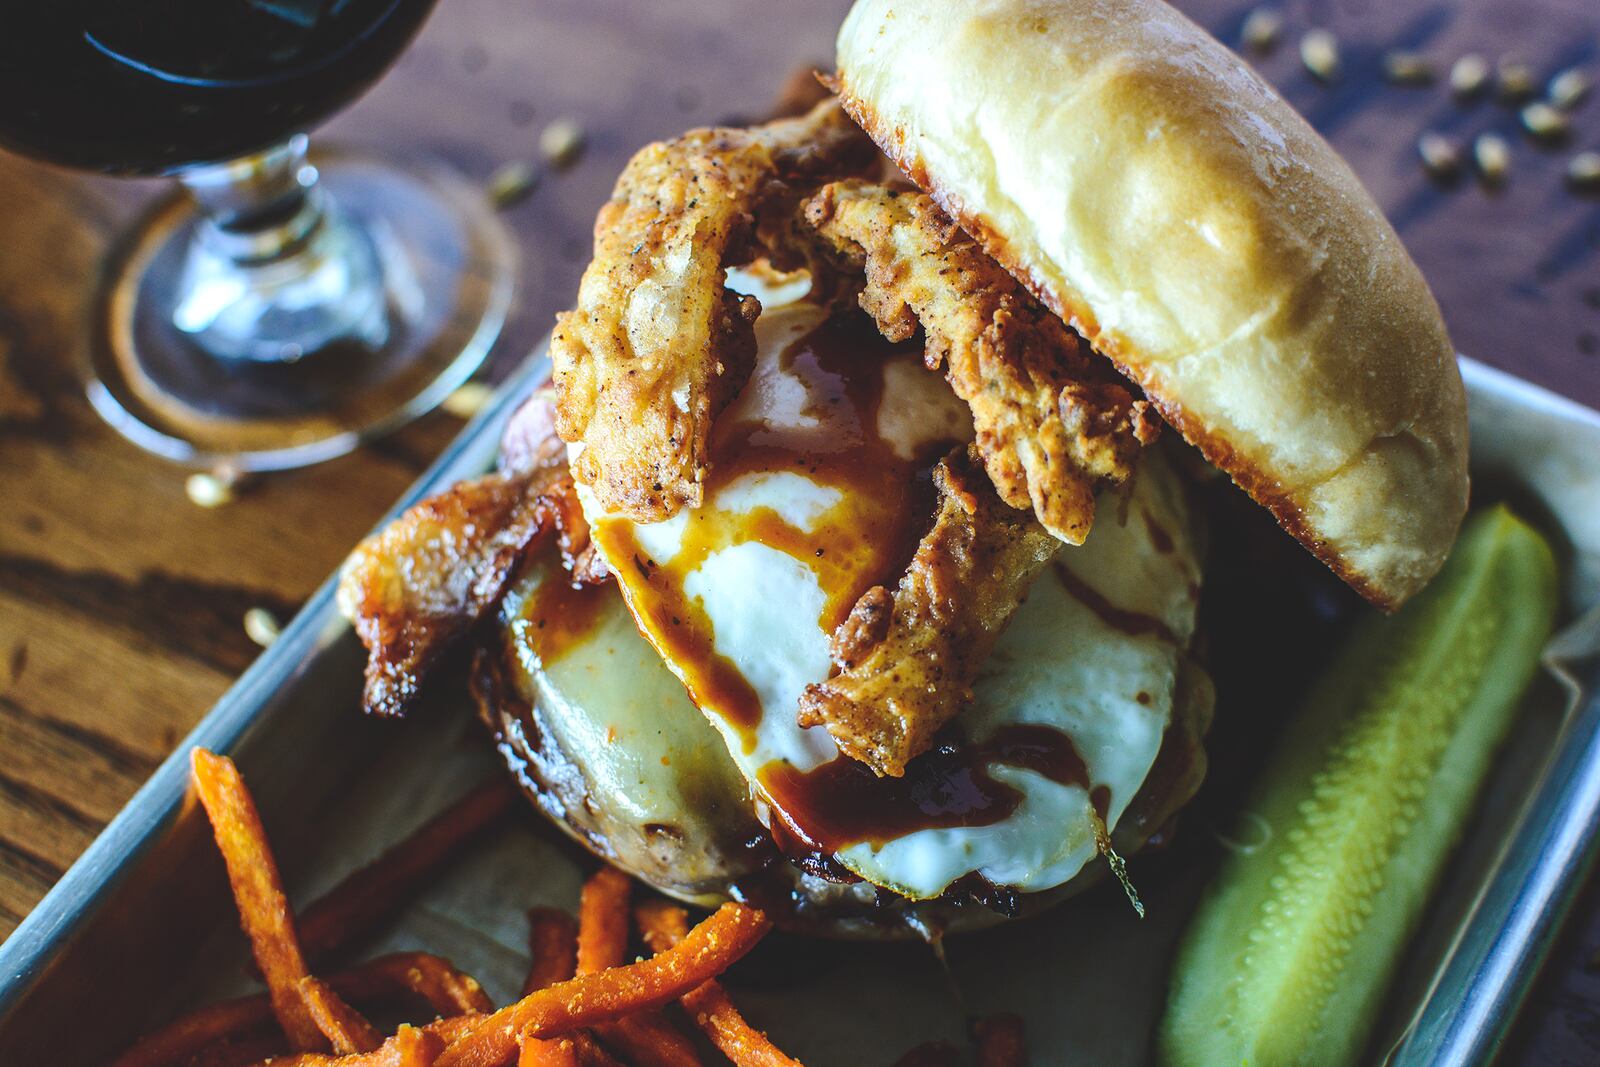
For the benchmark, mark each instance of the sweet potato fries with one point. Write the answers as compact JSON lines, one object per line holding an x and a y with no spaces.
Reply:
{"x":608,"y":1013}
{"x":582,"y":1005}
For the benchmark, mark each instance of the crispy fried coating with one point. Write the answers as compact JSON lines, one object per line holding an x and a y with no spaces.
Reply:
{"x":657,"y":346}
{"x":529,"y":440}
{"x":414,"y":587}
{"x":907,"y":659}
{"x":420,"y":583}
{"x":1052,"y":425}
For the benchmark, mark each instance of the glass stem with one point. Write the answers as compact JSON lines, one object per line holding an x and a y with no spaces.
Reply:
{"x":273,"y":273}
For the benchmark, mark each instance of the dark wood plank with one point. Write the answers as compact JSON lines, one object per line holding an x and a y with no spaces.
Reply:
{"x":120,"y":603}
{"x":1516,"y":270}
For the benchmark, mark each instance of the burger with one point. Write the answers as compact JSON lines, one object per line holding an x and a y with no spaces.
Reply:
{"x":849,"y":562}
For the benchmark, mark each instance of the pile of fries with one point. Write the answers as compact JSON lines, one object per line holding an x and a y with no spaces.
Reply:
{"x":583,"y":1004}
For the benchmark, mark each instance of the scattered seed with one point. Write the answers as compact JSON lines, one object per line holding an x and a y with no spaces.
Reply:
{"x":561,"y":142}
{"x":1583,"y":172}
{"x":1515,"y":79}
{"x":1569,"y":88}
{"x":1440,"y":155}
{"x":1319,"y":51}
{"x":512,"y":182}
{"x":467,"y":401}
{"x":262,"y":626}
{"x":216,"y":487}
{"x":1545,"y":122}
{"x":207,"y":490}
{"x":1493,"y":157}
{"x":1407,"y":68}
{"x":1468,"y":76}
{"x":1262,"y":28}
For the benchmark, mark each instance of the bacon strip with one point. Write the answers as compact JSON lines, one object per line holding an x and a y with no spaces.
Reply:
{"x":907,"y":659}
{"x":416,"y":586}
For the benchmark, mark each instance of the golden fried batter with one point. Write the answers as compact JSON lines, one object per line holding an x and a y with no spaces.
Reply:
{"x":421,"y":582}
{"x":1053,"y":427}
{"x":657,"y":346}
{"x":907,"y":659}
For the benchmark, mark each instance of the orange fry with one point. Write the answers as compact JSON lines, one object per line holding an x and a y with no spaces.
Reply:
{"x":1000,"y":1041}
{"x":707,"y":951}
{"x":553,"y":943}
{"x":590,"y":1054}
{"x":263,"y":909}
{"x":557,"y":944}
{"x":411,"y":1046}
{"x":555,"y":1052}
{"x":603,"y":920}
{"x":446,"y":989}
{"x":233,"y":1051}
{"x":434,"y":979}
{"x":455,"y":1028}
{"x":414,"y":1047}
{"x":184,"y":1038}
{"x":664,"y":925}
{"x":369,"y":897}
{"x":647,"y":1039}
{"x":714,"y":1013}
{"x":344,"y":1027}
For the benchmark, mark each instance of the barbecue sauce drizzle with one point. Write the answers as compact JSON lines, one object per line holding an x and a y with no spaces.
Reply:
{"x":557,"y":615}
{"x":867,"y":539}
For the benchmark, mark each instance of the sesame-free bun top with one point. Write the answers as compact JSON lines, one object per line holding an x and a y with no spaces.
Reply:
{"x":1161,"y":198}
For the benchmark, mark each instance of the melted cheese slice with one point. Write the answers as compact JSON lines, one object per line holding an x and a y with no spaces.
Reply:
{"x":817,"y":490}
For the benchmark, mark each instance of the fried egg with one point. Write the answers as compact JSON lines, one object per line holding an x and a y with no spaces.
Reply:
{"x":818,"y":483}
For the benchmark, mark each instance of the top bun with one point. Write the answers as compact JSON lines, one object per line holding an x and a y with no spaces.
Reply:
{"x":1166,"y":202}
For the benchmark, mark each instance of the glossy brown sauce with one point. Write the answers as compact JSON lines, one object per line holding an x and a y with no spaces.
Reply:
{"x":1132,"y":623}
{"x":1158,"y":533}
{"x":557,"y":616}
{"x":865,"y":539}
{"x":677,"y":625}
{"x":842,"y":803}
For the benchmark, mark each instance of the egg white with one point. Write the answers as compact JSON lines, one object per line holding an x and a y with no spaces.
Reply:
{"x":1061,"y":663}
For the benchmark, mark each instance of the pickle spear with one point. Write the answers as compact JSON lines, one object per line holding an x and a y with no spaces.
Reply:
{"x":1289,"y":955}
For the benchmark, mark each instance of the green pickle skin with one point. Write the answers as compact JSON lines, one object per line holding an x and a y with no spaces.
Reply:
{"x":1291,"y":951}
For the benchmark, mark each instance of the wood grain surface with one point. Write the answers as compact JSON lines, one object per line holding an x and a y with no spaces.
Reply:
{"x":121,"y":602}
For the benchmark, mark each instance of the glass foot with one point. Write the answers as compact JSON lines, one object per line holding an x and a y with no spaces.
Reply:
{"x":162,"y":376}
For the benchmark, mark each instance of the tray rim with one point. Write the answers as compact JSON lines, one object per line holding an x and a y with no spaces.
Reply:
{"x":1461,"y":1020}
{"x":50,"y":926}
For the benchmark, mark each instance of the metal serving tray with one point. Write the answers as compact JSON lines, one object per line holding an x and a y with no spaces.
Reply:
{"x":142,"y":925}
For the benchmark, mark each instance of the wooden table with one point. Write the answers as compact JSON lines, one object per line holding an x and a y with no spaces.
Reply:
{"x":120,"y":602}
